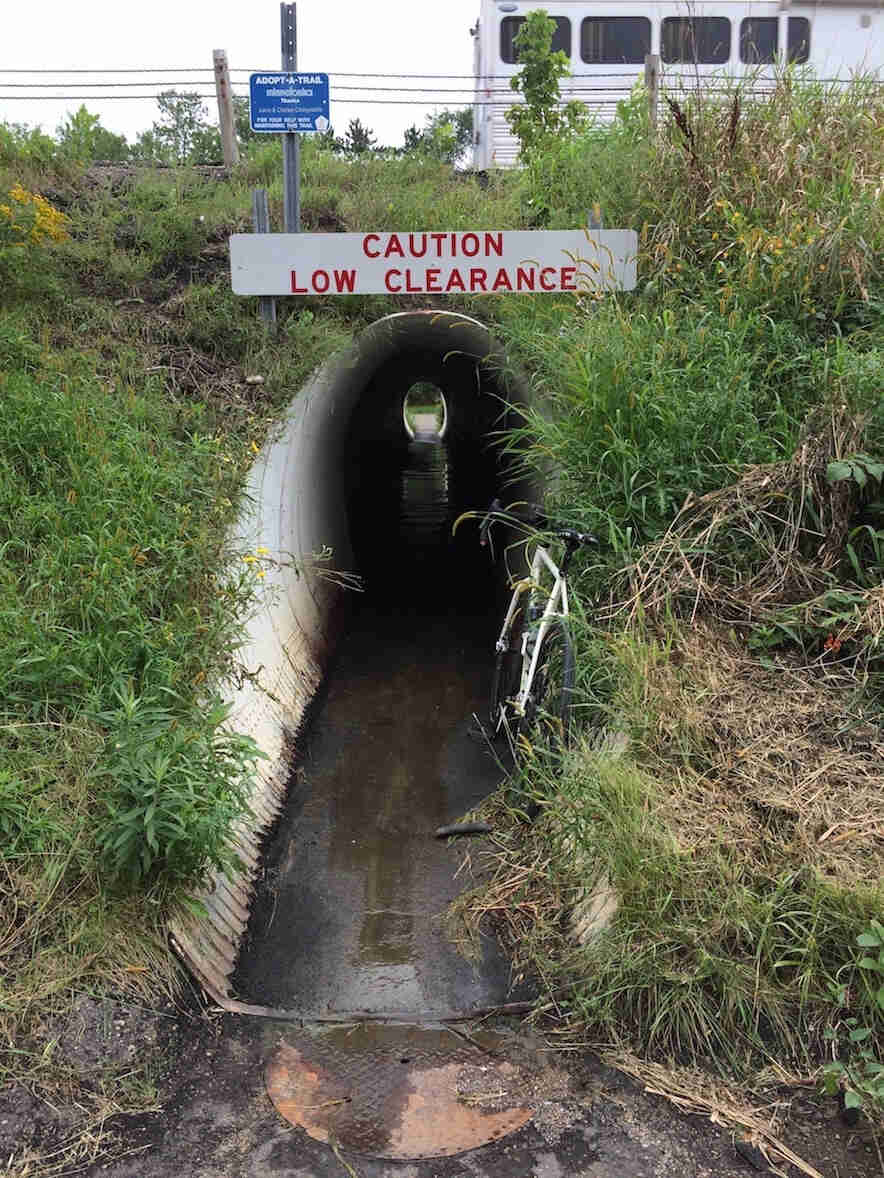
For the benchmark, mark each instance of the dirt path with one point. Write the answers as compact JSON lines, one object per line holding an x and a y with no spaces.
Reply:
{"x":589,"y":1122}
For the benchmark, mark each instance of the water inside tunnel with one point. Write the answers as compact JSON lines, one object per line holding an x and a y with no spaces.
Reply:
{"x":350,"y":909}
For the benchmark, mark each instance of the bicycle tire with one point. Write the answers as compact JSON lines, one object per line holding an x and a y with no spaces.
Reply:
{"x":548,"y":711}
{"x":507,"y":675}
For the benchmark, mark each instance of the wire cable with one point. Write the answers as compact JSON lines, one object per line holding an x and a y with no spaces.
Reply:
{"x":342,"y":101}
{"x":367,"y":89}
{"x":341,"y":74}
{"x":243,"y":70}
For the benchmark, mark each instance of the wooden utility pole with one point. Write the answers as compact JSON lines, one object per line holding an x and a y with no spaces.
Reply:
{"x":652,"y":85}
{"x":225,"y":108}
{"x":291,"y":144}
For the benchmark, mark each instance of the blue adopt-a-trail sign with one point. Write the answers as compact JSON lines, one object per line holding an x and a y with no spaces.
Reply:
{"x":280,"y":103}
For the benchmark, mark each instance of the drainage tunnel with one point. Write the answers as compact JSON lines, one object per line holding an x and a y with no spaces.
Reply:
{"x":379,"y":454}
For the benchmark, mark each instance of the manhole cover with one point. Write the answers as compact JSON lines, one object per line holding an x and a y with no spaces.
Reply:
{"x":397,"y":1092}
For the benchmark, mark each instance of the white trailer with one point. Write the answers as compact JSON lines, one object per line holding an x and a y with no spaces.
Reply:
{"x":607,"y":41}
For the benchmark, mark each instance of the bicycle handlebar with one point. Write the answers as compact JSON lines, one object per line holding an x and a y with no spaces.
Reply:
{"x":536,"y":518}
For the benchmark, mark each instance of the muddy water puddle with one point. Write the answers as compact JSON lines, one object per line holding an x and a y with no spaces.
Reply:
{"x":356,"y":886}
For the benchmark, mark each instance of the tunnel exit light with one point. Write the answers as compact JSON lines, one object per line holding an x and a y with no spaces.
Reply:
{"x":462,"y":262}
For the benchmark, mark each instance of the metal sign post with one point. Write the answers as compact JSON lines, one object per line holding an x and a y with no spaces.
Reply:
{"x":291,"y":146}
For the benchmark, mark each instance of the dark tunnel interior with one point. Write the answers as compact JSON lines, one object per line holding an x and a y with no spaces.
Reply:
{"x":354,"y":882}
{"x":404,"y":494}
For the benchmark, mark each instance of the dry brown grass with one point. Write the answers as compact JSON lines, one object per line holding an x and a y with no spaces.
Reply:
{"x":700,"y":1094}
{"x":777,"y":762}
{"x":769,"y":539}
{"x":775,"y":155}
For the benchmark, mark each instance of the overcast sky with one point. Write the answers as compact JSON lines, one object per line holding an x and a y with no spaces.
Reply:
{"x":334,"y":36}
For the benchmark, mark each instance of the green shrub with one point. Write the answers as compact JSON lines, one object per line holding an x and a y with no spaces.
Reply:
{"x":28,"y":146}
{"x":638,"y":410}
{"x":174,"y":780}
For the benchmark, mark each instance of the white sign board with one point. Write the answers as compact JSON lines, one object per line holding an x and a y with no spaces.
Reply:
{"x":520,"y":261}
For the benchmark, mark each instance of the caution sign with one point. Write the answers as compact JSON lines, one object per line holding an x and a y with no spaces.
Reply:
{"x":461,"y":262}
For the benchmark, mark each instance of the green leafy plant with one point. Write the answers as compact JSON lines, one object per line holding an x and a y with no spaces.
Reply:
{"x":858,"y":468}
{"x":445,"y":136}
{"x":182,"y":134}
{"x":20,"y":144}
{"x":81,"y":137}
{"x":541,"y":118}
{"x":861,"y":1075}
{"x":28,"y":219}
{"x":176,"y":780}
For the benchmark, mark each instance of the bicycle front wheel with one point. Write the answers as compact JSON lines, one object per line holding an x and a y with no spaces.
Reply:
{"x":548,"y":709}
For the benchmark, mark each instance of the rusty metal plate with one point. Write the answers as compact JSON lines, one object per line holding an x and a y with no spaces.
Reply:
{"x":397,"y":1092}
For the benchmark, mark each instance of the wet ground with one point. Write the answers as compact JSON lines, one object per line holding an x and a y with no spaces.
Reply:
{"x":355,"y":888}
{"x":356,"y":885}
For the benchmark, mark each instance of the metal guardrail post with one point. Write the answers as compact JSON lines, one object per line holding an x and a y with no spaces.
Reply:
{"x":261,"y":224}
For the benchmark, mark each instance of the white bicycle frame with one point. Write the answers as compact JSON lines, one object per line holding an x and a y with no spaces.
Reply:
{"x":532,"y":636}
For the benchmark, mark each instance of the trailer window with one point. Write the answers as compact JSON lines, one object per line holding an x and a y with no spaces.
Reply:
{"x":799,"y":39}
{"x":703,"y":40}
{"x":615,"y":40}
{"x":759,"y":39}
{"x":510,"y":25}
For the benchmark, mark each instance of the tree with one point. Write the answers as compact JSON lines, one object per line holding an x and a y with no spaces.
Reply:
{"x":81,"y":137}
{"x":541,"y":117}
{"x":445,"y":136}
{"x":358,"y":139}
{"x":21,"y":144}
{"x":149,"y":149}
{"x":241,"y":121}
{"x":182,"y":134}
{"x":327,"y":141}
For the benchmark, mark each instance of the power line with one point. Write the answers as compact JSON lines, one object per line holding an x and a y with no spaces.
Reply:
{"x":183,"y":69}
{"x":341,"y":74}
{"x":342,"y":101}
{"x":762,"y":87}
{"x":243,"y":70}
{"x":487,"y":91}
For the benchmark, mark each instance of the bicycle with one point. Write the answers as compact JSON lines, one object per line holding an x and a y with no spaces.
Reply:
{"x":532,"y":691}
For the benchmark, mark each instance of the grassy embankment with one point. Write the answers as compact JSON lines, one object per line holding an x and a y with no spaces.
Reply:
{"x":738,"y":650}
{"x":723,"y":432}
{"x":126,"y":428}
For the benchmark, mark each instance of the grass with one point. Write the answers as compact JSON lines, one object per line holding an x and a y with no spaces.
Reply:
{"x":738,"y":835}
{"x":693,"y":425}
{"x":126,"y":429}
{"x":716,"y":430}
{"x":424,"y":400}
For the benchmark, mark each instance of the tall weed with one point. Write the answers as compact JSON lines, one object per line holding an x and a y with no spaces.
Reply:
{"x":637,"y":410}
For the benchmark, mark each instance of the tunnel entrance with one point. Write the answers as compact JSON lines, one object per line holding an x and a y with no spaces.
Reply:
{"x":342,"y":487}
{"x":351,"y":917}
